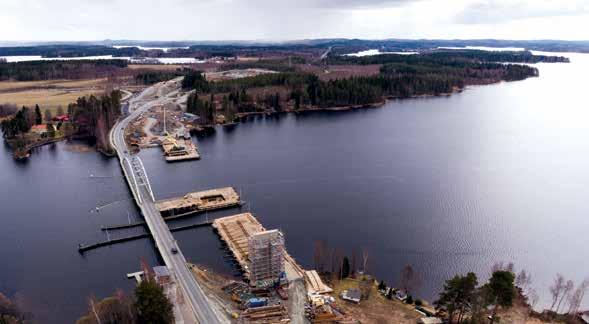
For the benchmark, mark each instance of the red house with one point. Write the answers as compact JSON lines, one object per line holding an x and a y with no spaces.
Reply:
{"x":61,"y":118}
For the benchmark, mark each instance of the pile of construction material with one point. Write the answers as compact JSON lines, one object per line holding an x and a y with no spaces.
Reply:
{"x":265,"y":314}
{"x":323,"y":309}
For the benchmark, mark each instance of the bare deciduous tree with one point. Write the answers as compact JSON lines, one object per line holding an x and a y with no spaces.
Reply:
{"x":556,"y":289}
{"x":524,"y":281}
{"x":576,"y":298}
{"x":568,"y":287}
{"x":354,"y":266}
{"x":409,"y":279}
{"x":500,"y":266}
{"x":48,"y":116}
{"x":320,"y":255}
{"x":533,"y":299}
{"x":60,"y":111}
{"x":364,"y":260}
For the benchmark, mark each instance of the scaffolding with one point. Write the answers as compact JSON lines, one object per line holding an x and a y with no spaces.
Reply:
{"x":266,"y":254}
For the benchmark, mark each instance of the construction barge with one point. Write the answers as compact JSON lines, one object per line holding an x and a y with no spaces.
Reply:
{"x":180,"y":148}
{"x":237,"y":230}
{"x":200,"y":201}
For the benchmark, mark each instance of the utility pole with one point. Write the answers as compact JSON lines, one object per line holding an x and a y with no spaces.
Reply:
{"x":165,"y":120}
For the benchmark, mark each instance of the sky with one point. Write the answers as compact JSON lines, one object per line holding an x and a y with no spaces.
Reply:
{"x":79,"y":20}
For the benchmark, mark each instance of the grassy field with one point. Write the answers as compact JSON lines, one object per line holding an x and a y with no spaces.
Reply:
{"x":377,"y":309}
{"x":49,"y":94}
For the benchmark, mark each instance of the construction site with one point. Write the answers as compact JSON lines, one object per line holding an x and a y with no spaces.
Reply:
{"x":179,"y":148}
{"x":168,"y":127}
{"x":275,"y":285}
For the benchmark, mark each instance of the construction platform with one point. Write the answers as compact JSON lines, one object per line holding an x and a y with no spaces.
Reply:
{"x":200,"y":201}
{"x":180,"y":148}
{"x":236,"y":230}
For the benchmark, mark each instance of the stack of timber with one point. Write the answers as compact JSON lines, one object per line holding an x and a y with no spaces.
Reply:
{"x":266,"y":314}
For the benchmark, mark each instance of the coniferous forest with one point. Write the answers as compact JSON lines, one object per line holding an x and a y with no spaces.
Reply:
{"x":400,"y":76}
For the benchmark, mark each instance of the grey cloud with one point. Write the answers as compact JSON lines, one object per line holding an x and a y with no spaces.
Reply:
{"x":499,"y":11}
{"x":360,"y":3}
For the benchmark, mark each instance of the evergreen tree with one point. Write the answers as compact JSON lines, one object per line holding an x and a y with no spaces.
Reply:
{"x":152,"y":304}
{"x":500,"y":290}
{"x":458,"y":296}
{"x":345,"y":267}
{"x":390,"y":294}
{"x":38,"y":116}
{"x":382,"y":285}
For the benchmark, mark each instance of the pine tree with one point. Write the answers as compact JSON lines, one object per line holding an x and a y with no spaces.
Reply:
{"x":38,"y":117}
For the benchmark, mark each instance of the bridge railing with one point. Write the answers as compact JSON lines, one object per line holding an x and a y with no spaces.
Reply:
{"x":146,"y":178}
{"x":131,"y":178}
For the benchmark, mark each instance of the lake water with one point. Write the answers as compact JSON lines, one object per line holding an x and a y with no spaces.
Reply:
{"x":448,"y":185}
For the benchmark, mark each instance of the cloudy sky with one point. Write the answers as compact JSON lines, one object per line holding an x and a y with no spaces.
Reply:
{"x":283,"y":20}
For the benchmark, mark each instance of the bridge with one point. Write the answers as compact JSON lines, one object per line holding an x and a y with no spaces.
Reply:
{"x":138,"y":182}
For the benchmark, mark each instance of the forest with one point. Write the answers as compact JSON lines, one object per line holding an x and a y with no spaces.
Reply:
{"x":92,"y":117}
{"x":95,"y":116}
{"x":449,"y":57}
{"x":152,"y":77}
{"x":69,"y":51}
{"x":50,"y":70}
{"x":400,"y":76}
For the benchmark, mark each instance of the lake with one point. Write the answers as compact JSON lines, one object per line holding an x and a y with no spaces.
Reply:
{"x":448,"y":185}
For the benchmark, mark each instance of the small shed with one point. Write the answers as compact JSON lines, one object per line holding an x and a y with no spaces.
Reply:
{"x":61,"y":118}
{"x":39,"y":129}
{"x":162,"y":275}
{"x":353,"y":295}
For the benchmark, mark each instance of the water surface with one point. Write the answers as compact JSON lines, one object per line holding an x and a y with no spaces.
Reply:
{"x":448,"y":185}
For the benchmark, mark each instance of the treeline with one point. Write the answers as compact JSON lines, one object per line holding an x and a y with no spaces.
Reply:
{"x":152,"y":77}
{"x":463,"y":300}
{"x":287,"y":79}
{"x":7,"y":109}
{"x":49,"y":70}
{"x":69,"y":51}
{"x":195,"y":80}
{"x":401,"y":76}
{"x":205,"y":109}
{"x":20,"y":123}
{"x":95,"y":116}
{"x":279,"y":65}
{"x":449,"y":57}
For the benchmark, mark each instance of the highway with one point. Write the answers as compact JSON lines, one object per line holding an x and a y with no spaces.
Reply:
{"x":139,"y":183}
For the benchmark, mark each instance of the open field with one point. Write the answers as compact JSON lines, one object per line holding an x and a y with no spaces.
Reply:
{"x":8,"y":86}
{"x":49,"y":94}
{"x":377,"y":309}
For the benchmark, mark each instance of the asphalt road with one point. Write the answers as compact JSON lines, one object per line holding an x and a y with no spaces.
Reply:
{"x":176,"y":263}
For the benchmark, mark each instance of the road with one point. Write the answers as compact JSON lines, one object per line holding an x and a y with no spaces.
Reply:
{"x":139,"y":184}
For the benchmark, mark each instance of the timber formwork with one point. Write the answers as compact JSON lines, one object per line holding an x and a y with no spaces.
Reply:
{"x":199,"y":201}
